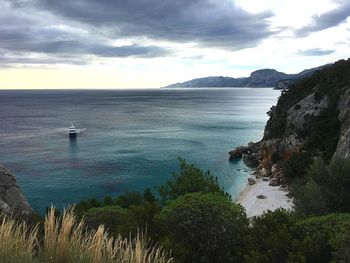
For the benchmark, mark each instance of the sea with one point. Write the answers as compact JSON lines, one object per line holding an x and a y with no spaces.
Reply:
{"x":128,"y":139}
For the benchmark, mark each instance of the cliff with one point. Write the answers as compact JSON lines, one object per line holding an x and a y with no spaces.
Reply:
{"x":312,"y":116}
{"x":11,"y":197}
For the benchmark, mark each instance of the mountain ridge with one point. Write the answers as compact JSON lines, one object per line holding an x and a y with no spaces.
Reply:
{"x":259,"y":79}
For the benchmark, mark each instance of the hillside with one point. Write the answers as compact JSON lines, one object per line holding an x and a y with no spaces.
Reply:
{"x":306,"y":143}
{"x":259,"y":78}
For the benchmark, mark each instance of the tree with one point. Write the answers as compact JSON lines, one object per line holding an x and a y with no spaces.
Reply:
{"x":116,"y":219}
{"x":190,"y":179}
{"x":270,"y":237}
{"x":323,"y":239}
{"x":203,"y":227}
{"x":338,"y":196}
{"x":129,"y":198}
{"x":309,"y":200}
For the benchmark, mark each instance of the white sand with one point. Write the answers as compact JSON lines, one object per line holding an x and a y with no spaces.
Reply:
{"x":276,"y":198}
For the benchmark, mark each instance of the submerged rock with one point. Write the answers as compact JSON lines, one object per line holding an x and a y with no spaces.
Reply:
{"x":11,"y":197}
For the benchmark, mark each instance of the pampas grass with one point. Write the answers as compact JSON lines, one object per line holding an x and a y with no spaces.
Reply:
{"x":65,"y":240}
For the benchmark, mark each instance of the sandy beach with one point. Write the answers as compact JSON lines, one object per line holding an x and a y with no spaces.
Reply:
{"x":275,"y":198}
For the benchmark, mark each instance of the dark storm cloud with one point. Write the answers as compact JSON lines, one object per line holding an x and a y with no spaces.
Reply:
{"x":24,"y":32}
{"x":83,"y":47}
{"x":326,"y":20}
{"x":316,"y":52}
{"x":207,"y":22}
{"x":83,"y":28}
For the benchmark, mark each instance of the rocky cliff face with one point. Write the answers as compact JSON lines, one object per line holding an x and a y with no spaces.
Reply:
{"x":343,"y":147}
{"x":313,"y":115}
{"x":11,"y":197}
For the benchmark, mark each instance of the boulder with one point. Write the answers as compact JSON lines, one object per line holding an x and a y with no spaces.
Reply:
{"x":261,"y":197}
{"x":251,"y":181}
{"x":11,"y":197}
{"x":251,"y":160}
{"x":274,"y":182}
{"x":265,"y":172}
{"x":274,"y":168}
{"x":237,"y":152}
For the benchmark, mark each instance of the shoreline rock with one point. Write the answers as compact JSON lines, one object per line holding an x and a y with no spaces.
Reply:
{"x":11,"y":197}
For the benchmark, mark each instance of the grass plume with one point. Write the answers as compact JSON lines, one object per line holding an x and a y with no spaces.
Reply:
{"x":66,"y":240}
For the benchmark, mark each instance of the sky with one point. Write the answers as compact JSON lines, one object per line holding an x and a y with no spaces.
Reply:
{"x":152,"y":43}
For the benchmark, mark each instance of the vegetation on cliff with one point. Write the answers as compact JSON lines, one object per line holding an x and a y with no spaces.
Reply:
{"x":318,"y":178}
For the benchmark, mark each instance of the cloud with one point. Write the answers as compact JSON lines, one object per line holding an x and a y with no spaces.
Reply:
{"x":24,"y":32}
{"x":205,"y":22}
{"x":316,"y":52}
{"x":84,"y":47}
{"x":326,"y":20}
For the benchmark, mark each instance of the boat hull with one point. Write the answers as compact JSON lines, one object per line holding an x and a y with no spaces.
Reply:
{"x":72,"y":135}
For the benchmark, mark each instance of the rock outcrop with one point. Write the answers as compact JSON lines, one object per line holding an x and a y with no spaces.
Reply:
{"x":314,"y":110}
{"x":343,"y":147}
{"x":11,"y":197}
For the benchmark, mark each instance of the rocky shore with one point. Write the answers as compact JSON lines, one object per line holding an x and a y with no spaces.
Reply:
{"x":266,"y":187}
{"x":11,"y":197}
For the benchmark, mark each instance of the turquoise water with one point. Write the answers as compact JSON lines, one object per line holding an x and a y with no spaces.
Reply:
{"x":128,"y":140}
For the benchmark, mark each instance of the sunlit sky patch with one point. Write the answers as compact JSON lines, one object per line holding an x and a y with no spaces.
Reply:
{"x":152,"y":43}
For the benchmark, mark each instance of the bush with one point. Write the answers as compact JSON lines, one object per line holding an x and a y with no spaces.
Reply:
{"x":271,"y":237}
{"x":296,"y":166}
{"x":337,"y":189}
{"x":117,"y":220}
{"x":204,"y":228}
{"x":190,"y":179}
{"x":323,"y":239}
{"x":308,"y":199}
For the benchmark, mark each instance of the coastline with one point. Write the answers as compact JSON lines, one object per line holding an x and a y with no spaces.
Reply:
{"x":276,"y":197}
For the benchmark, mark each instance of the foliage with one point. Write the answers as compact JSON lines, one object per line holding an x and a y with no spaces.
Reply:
{"x":117,"y":220}
{"x":308,"y":199}
{"x":338,"y":188}
{"x":190,"y":179}
{"x":279,"y":237}
{"x":271,"y":237}
{"x":327,"y":82}
{"x":327,"y":188}
{"x":296,"y":166}
{"x":125,"y":200}
{"x":324,"y":239}
{"x":204,"y":228}
{"x":324,"y":133}
{"x":66,"y":241}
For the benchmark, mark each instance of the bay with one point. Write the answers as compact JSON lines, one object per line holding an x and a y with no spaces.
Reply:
{"x":128,"y":139}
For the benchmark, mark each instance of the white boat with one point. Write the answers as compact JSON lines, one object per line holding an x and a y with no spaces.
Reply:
{"x":72,"y":131}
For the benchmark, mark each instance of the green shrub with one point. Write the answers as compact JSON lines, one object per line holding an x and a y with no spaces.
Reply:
{"x":270,"y":237}
{"x":190,"y":179}
{"x":204,"y":228}
{"x":323,"y":239}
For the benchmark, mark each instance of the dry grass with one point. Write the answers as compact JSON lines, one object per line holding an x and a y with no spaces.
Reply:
{"x":66,"y":241}
{"x":17,"y":242}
